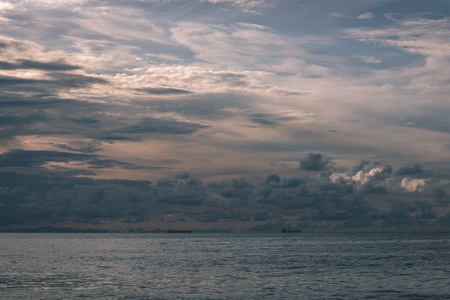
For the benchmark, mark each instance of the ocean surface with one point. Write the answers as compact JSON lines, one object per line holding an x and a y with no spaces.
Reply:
{"x":225,"y":266}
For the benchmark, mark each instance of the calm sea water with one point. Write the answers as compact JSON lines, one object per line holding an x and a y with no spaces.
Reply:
{"x":225,"y":266}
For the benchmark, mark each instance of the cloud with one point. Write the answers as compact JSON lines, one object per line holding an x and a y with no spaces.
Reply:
{"x":242,"y":48}
{"x":37,"y":65}
{"x":263,"y":121}
{"x":364,"y":178}
{"x":314,"y":162}
{"x":315,"y":200}
{"x":412,"y":185}
{"x":18,"y":158}
{"x":37,"y":70}
{"x":273,"y":178}
{"x":368,"y":59}
{"x":7,"y":81}
{"x":151,"y":90}
{"x":98,"y":163}
{"x":164,"y":91}
{"x":37,"y":158}
{"x":198,"y":78}
{"x":81,"y":146}
{"x":183,"y":176}
{"x":410,"y":170}
{"x":365,"y":16}
{"x":168,"y":126}
{"x":414,"y":34}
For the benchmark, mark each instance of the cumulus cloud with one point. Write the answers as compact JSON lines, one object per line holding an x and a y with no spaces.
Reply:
{"x":412,"y":185}
{"x":366,"y":178}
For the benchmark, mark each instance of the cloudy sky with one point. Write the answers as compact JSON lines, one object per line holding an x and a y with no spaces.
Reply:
{"x":223,"y":89}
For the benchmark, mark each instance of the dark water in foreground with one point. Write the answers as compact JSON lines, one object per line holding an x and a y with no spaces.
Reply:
{"x":225,"y":266}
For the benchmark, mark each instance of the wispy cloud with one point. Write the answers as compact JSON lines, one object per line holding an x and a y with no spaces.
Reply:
{"x":365,"y":16}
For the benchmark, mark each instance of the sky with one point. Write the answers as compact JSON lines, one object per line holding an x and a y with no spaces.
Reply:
{"x":236,"y":107}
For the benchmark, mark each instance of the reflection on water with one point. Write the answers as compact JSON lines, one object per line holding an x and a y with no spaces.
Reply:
{"x":223,"y":266}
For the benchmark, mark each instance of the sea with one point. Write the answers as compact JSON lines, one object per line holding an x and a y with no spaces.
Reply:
{"x":225,"y":266}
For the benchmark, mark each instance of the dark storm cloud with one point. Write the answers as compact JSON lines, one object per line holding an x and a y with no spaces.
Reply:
{"x":314,"y":162}
{"x":164,"y":91}
{"x":168,"y":126}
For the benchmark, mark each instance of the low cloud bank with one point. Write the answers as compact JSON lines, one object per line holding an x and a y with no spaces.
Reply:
{"x":370,"y":196}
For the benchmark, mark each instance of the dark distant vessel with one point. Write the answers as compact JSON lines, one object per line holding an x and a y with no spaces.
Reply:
{"x":291,"y":230}
{"x":179,"y":231}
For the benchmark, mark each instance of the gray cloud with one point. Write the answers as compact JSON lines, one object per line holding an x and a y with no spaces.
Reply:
{"x":314,"y":200}
{"x":270,"y":119}
{"x":97,"y":163}
{"x":410,"y":170}
{"x":30,"y":64}
{"x":13,"y":81}
{"x":81,"y":146}
{"x":314,"y":162}
{"x":15,"y":120}
{"x":273,"y":178}
{"x":23,"y":158}
{"x":203,"y":106}
{"x":18,"y":158}
{"x":65,"y":80}
{"x":168,"y":126}
{"x":164,"y":91}
{"x":183,"y":176}
{"x":263,"y":121}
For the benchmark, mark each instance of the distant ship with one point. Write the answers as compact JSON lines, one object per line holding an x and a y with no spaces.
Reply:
{"x":179,"y":231}
{"x":291,"y":230}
